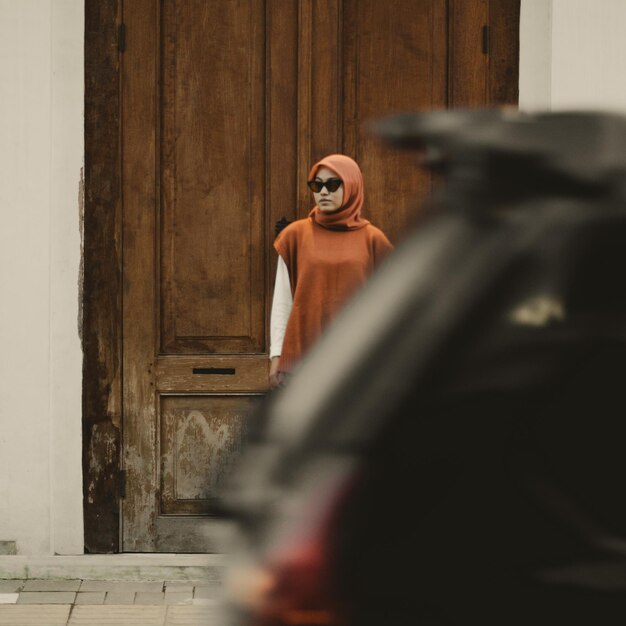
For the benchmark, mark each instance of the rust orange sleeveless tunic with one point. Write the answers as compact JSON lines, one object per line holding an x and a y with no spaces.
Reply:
{"x":329,"y":256}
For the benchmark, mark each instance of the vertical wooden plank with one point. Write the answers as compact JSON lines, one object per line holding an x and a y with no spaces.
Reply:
{"x":139,"y":319}
{"x":439,"y":47}
{"x":440,"y":73}
{"x":326,"y":80}
{"x":305,"y":60}
{"x":319,"y":89}
{"x":504,"y":52}
{"x":394,"y":59}
{"x":350,"y":65}
{"x":468,"y":64}
{"x":257,"y":173}
{"x":166,"y":179}
{"x":282,"y":124}
{"x":101,"y":297}
{"x":282,"y":112}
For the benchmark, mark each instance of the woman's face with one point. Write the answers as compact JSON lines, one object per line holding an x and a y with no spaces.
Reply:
{"x":326,"y":200}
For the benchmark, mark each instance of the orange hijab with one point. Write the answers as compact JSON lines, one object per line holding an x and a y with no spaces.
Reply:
{"x":348,"y":217}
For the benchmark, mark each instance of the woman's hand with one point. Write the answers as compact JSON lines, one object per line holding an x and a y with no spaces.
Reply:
{"x":275,"y":376}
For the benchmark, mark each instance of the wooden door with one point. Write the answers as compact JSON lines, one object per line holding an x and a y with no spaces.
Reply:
{"x":225,"y":106}
{"x":196,"y":222}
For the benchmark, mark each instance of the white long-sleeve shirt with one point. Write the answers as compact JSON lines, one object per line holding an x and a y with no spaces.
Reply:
{"x":282,"y":303}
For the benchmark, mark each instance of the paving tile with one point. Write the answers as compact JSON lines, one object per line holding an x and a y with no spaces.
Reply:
{"x":90,"y":597}
{"x":149,"y":597}
{"x":11,"y":586}
{"x":178,"y":597}
{"x":210,"y":592}
{"x":46,"y":597}
{"x":9,"y":598}
{"x":41,"y":615}
{"x":194,"y":616}
{"x":118,"y":616}
{"x":121,"y":585}
{"x":179,"y":587}
{"x":120,"y":597}
{"x":51,"y":585}
{"x":205,"y":601}
{"x":202,"y":583}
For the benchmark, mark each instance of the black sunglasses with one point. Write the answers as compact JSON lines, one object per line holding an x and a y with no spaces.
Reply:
{"x":332,"y":184}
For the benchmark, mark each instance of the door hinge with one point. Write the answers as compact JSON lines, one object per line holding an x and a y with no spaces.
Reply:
{"x":121,"y":37}
{"x":121,"y":481}
{"x":485,"y":39}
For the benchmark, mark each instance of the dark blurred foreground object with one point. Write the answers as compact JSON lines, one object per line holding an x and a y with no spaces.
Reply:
{"x":452,"y":452}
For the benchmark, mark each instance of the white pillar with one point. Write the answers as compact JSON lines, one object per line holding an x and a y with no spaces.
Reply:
{"x":535,"y":68}
{"x":41,"y":139}
{"x":572,"y":55}
{"x":589,"y":54}
{"x":25,"y":274}
{"x":67,"y":152}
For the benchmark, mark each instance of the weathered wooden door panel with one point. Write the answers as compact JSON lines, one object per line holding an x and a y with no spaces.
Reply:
{"x":199,"y":439}
{"x":196,"y":245}
{"x":139,"y":141}
{"x":212,"y":164}
{"x":225,"y":105}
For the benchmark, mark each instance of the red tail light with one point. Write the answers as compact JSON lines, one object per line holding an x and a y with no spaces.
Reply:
{"x":299,"y":593}
{"x":293,"y":585}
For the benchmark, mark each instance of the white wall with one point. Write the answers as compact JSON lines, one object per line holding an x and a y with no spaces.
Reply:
{"x":41,"y":154}
{"x":589,"y":54}
{"x":573,"y":54}
{"x":535,"y":68}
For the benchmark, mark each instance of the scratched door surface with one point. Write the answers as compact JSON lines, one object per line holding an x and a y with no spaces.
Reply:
{"x":225,"y":105}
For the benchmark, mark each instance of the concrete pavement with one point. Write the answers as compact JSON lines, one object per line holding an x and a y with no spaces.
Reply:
{"x":111,"y":590}
{"x":107,"y":603}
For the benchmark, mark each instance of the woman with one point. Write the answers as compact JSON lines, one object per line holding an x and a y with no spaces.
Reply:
{"x":322,"y":260}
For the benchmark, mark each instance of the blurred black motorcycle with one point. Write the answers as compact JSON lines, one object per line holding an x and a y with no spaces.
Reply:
{"x":452,"y":451}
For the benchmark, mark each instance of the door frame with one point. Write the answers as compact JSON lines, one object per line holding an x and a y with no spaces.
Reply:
{"x":102,"y":276}
{"x":103,"y":482}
